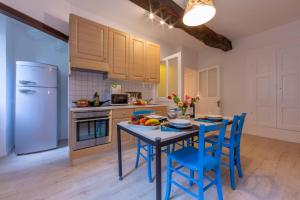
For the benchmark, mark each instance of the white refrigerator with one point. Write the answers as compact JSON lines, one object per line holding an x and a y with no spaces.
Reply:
{"x":35,"y":107}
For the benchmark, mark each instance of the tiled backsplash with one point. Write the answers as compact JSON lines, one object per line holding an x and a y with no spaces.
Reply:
{"x":85,"y":84}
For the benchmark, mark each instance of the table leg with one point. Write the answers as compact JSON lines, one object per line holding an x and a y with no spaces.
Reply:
{"x":158,"y":168}
{"x":193,"y":140}
{"x":119,"y":152}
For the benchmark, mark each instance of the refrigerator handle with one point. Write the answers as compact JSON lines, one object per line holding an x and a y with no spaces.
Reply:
{"x":23,"y":82}
{"x":25,"y":91}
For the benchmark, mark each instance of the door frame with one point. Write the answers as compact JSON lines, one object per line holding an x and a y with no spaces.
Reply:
{"x":218,"y":84}
{"x":177,"y":55}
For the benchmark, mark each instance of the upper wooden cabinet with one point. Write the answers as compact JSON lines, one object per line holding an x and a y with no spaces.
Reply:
{"x":137,"y":59}
{"x":152,"y":62}
{"x":97,"y":47}
{"x":88,"y":44}
{"x":118,"y":54}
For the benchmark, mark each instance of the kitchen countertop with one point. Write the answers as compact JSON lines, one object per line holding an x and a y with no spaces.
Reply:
{"x":74,"y":109}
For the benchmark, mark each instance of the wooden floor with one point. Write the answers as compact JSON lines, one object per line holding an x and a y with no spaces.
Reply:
{"x":271,"y":168}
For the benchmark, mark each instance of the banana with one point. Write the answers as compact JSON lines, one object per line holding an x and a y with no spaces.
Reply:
{"x":152,"y":122}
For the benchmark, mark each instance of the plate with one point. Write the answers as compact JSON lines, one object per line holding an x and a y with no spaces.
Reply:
{"x":180,"y":122}
{"x":155,"y":117}
{"x":214,"y":116}
{"x":181,"y":126}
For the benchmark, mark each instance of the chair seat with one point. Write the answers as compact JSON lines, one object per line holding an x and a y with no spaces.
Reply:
{"x":214,"y":139}
{"x":188,"y":156}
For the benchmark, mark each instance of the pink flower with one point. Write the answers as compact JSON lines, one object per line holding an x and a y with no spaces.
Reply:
{"x":187,"y":97}
{"x":174,"y":95}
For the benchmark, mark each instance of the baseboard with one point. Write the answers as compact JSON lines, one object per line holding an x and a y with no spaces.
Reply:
{"x":279,"y":134}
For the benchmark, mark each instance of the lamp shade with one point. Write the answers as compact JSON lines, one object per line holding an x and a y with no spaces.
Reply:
{"x":198,"y":12}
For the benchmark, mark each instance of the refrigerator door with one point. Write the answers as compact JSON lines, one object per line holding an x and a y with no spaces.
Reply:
{"x":35,"y":119}
{"x":30,"y":74}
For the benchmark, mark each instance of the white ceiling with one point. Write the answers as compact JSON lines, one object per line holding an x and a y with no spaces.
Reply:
{"x":234,"y":18}
{"x":240,"y":18}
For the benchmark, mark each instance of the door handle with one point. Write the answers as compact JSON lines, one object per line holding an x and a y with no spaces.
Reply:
{"x":24,"y":91}
{"x":219,"y":103}
{"x":23,"y":82}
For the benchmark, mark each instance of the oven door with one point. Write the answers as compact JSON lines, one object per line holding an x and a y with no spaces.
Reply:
{"x":91,"y":132}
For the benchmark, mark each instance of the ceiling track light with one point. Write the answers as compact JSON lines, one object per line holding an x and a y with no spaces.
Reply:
{"x":151,"y":16}
{"x":198,"y":12}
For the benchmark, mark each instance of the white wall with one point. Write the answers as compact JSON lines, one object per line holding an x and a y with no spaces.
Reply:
{"x":29,"y":44}
{"x":2,"y":86}
{"x":55,"y":13}
{"x":238,"y":76}
{"x":10,"y":88}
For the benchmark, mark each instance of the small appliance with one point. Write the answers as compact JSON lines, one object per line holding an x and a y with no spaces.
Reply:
{"x":119,"y":99}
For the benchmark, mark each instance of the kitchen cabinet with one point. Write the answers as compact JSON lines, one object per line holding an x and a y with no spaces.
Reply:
{"x":88,"y":44}
{"x":120,"y":115}
{"x":128,"y":141}
{"x":137,"y":59}
{"x":152,"y":62}
{"x":118,"y":54}
{"x":94,"y":46}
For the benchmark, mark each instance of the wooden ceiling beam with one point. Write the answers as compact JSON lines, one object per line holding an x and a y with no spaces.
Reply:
{"x":173,"y":13}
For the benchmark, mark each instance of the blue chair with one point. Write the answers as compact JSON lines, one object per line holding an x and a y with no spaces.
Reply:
{"x":199,"y":160}
{"x":147,"y":148}
{"x":233,"y":143}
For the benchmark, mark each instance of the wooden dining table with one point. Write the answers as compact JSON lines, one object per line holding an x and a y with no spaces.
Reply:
{"x":158,"y":139}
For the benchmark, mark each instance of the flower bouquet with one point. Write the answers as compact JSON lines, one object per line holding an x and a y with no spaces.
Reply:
{"x":183,"y":104}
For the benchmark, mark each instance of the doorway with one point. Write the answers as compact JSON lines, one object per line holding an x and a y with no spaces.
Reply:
{"x":171,"y":78}
{"x":209,"y":91}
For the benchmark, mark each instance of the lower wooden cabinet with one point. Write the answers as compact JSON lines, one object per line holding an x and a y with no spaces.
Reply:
{"x":120,"y":115}
{"x":128,"y":141}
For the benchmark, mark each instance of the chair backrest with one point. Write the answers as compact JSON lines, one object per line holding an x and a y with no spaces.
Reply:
{"x":143,"y":112}
{"x":237,"y":129}
{"x":221,"y":129}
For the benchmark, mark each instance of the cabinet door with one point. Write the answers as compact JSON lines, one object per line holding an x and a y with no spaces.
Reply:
{"x":288,"y":92}
{"x":128,"y":141}
{"x":137,"y":59}
{"x":152,"y":62}
{"x":118,"y":54}
{"x":88,"y":44}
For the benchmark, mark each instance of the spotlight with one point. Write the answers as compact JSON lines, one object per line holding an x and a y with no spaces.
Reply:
{"x":171,"y":26}
{"x":151,"y":16}
{"x":162,"y":22}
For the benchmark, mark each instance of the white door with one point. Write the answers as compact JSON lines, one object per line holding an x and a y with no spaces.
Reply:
{"x":288,"y":91}
{"x":209,"y":91}
{"x":35,"y":119}
{"x":190,"y":82}
{"x":263,"y":99}
{"x":36,"y":74}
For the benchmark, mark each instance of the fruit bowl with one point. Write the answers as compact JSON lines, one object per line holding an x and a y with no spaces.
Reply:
{"x":145,"y":127}
{"x":142,"y":121}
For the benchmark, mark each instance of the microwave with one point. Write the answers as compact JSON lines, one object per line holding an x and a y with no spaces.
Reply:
{"x":119,"y":99}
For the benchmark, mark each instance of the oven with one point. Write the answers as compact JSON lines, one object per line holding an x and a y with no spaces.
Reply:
{"x":91,"y":128}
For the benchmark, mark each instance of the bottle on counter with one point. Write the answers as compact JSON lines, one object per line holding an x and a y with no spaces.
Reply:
{"x":96,"y":99}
